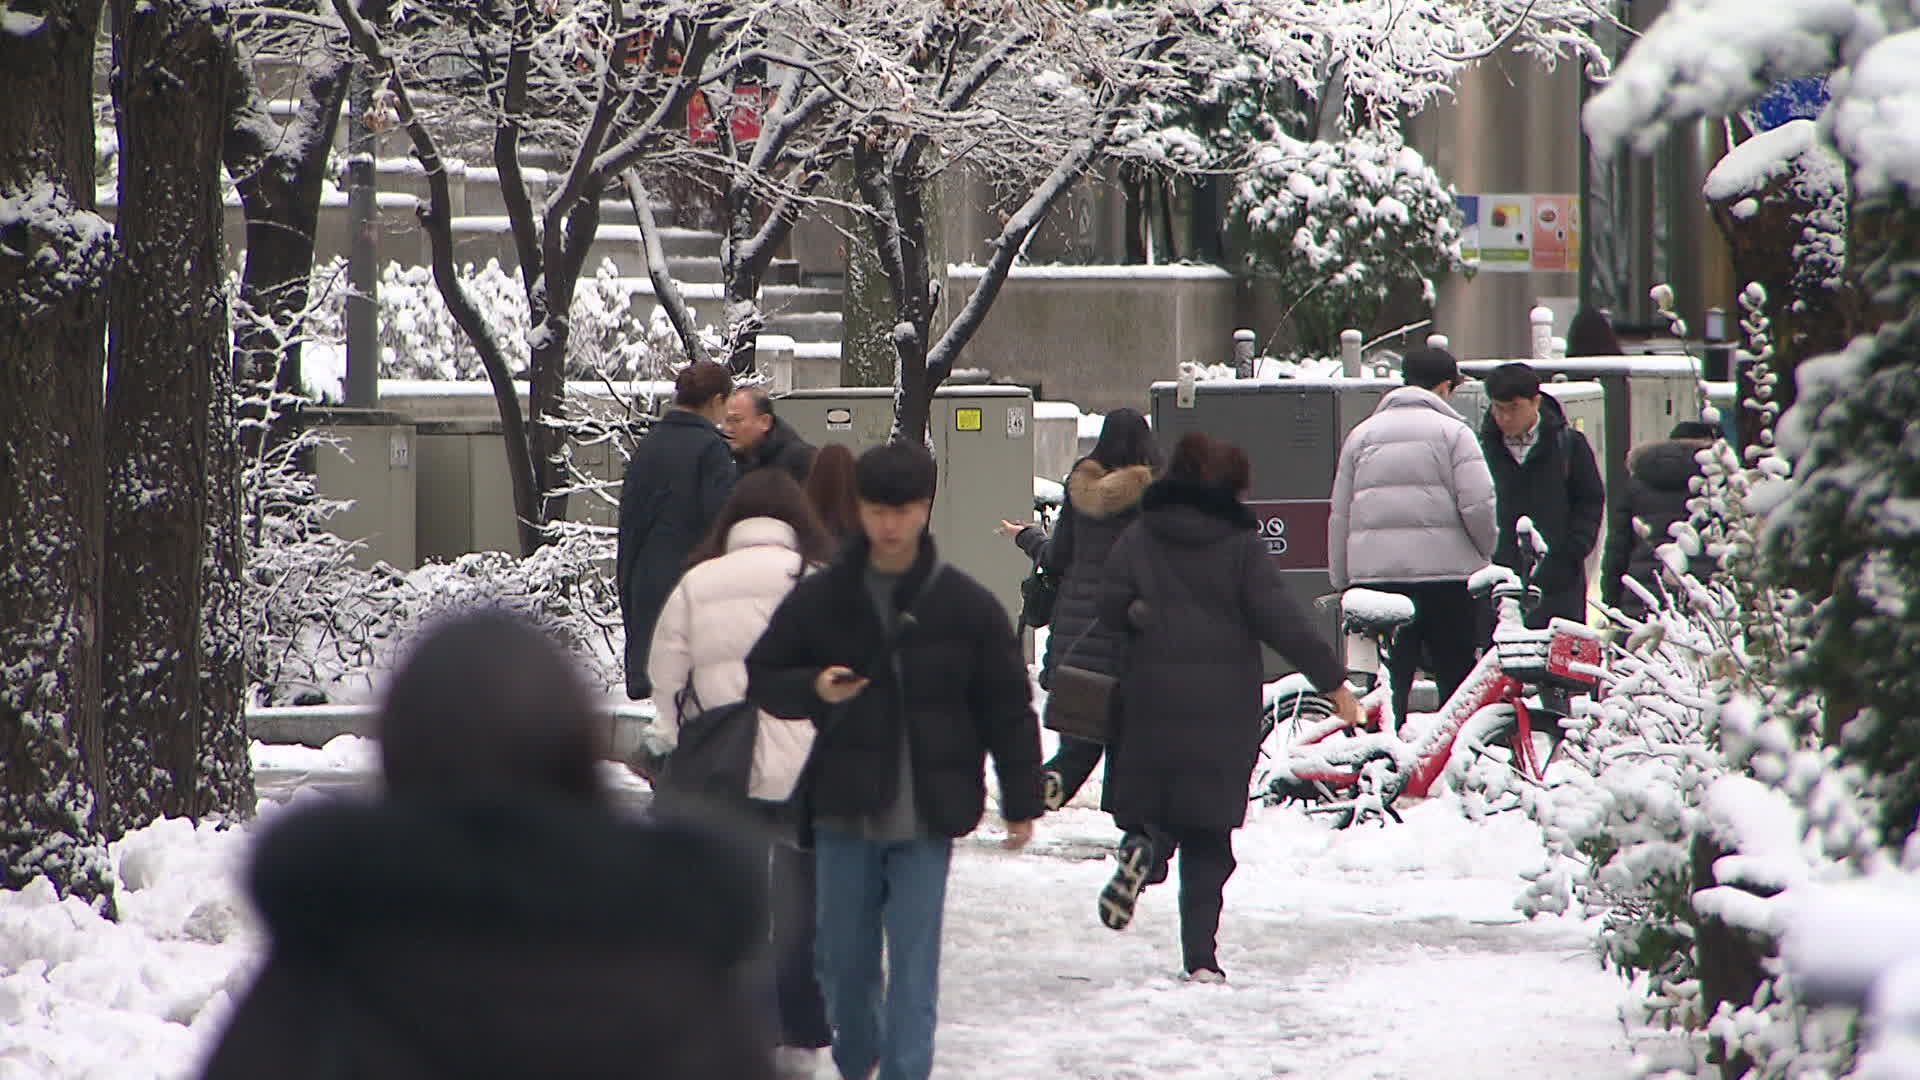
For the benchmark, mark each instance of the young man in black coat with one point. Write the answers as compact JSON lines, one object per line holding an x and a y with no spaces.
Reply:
{"x":912,"y":674}
{"x":760,"y":439}
{"x":1659,"y":486}
{"x":677,"y":480}
{"x":1543,"y":469}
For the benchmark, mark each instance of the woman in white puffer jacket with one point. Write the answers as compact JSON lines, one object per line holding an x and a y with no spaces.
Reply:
{"x":765,"y":539}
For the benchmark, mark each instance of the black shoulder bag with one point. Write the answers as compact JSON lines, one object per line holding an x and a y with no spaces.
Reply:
{"x":713,"y":759}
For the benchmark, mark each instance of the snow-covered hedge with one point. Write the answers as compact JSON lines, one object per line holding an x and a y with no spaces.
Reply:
{"x":1339,"y":226}
{"x":420,"y":340}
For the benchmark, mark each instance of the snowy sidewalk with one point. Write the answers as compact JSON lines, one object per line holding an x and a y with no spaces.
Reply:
{"x":1373,"y":953}
{"x":1389,"y":953}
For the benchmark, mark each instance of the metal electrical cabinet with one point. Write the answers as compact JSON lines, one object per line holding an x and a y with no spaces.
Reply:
{"x":982,"y":438}
{"x":369,"y":460}
{"x":1292,"y":430}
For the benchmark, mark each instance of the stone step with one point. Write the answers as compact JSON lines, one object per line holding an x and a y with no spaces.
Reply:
{"x":806,"y":326}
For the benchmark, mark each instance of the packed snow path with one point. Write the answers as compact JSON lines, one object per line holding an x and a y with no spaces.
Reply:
{"x":1372,"y":953}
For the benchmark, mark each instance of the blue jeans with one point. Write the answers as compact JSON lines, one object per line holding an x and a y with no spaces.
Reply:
{"x":865,"y":889}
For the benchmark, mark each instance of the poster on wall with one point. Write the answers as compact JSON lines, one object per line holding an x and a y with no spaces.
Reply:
{"x":1506,"y":233}
{"x":1518,"y":234}
{"x":1469,"y":207}
{"x":1556,"y":233}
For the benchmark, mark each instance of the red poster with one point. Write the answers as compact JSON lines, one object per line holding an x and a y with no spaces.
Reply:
{"x":1294,"y":530}
{"x":1553,"y":235}
{"x":745,"y":121}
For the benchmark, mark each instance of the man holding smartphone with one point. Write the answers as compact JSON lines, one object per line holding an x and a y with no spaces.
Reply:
{"x":912,"y":673}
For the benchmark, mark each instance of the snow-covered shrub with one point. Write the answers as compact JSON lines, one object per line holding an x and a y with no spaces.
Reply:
{"x":1337,"y":227}
{"x":420,"y":340}
{"x":318,"y":626}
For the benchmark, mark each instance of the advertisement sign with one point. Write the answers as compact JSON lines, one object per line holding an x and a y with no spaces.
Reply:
{"x":1506,"y":233}
{"x":1469,"y":207}
{"x":1294,"y":531}
{"x":1518,"y":234}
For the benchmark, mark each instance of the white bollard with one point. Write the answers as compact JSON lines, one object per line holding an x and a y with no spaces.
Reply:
{"x":1557,"y":349}
{"x":1542,"y":319}
{"x":1244,"y":342}
{"x":1350,"y":354}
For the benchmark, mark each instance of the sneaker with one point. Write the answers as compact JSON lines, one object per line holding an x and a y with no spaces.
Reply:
{"x":1121,"y":894}
{"x":1206,"y":975}
{"x":1053,"y":790}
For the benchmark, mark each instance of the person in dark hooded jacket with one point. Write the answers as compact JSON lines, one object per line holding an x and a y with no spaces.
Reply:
{"x":1544,"y":470}
{"x":1103,"y":498}
{"x":1192,"y":582}
{"x":491,"y":914}
{"x":677,"y":480}
{"x":1659,"y":484}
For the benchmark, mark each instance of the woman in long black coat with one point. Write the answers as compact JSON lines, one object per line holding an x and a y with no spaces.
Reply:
{"x":492,"y":914}
{"x":1102,"y":499}
{"x":1192,"y":582}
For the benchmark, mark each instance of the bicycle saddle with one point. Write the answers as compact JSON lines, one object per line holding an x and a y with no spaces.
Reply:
{"x":1368,"y":611}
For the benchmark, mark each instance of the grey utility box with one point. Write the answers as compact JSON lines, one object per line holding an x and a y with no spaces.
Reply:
{"x":982,"y":437}
{"x":466,"y":496}
{"x":1292,"y":430}
{"x":369,"y":460}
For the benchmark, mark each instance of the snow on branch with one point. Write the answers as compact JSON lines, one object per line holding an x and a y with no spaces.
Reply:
{"x":1710,"y":57}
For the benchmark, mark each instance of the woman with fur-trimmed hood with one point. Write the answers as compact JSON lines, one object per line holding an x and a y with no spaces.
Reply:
{"x":1103,"y":498}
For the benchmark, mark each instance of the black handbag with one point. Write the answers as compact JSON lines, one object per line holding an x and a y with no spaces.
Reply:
{"x":713,"y":759}
{"x":1080,"y":701}
{"x":1038,"y":591}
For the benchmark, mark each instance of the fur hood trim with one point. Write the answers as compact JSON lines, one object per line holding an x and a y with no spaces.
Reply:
{"x":1100,"y":492}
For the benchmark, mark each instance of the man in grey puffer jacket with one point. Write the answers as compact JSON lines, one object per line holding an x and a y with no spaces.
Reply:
{"x":1413,"y":513}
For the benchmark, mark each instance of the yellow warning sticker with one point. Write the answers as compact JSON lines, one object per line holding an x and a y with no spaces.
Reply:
{"x":969,"y":420}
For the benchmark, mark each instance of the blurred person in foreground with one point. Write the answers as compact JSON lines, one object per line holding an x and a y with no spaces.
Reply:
{"x":489,"y":913}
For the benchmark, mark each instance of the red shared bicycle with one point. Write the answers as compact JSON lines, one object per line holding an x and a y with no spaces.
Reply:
{"x":1509,"y":707}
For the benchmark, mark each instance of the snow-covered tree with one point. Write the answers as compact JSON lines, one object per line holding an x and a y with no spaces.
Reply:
{"x":167,"y":742}
{"x":1034,"y":94}
{"x":1338,"y":227}
{"x":1840,"y":529}
{"x":55,"y":254}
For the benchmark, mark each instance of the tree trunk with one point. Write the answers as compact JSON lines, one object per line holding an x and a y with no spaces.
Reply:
{"x":866,"y":311}
{"x":550,"y":310}
{"x":55,"y":256}
{"x":167,"y":337}
{"x":223,"y":776}
{"x":279,"y":182}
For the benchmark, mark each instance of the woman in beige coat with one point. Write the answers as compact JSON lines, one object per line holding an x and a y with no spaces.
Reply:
{"x":765,"y":539}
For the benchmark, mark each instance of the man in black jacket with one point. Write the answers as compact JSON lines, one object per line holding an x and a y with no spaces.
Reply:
{"x":761,"y":439}
{"x":677,"y":480}
{"x":912,"y":674}
{"x":1543,"y":469}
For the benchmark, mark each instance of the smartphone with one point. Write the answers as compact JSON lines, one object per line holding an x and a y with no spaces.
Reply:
{"x":843,"y":678}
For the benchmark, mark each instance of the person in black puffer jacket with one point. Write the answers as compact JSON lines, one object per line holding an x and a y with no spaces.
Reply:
{"x":1192,"y":582}
{"x":1659,"y":483}
{"x":1103,"y":498}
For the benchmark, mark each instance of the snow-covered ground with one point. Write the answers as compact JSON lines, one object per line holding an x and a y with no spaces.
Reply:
{"x":1372,"y":953}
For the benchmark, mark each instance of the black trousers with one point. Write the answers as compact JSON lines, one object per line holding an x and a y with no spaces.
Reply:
{"x":1206,"y":862}
{"x":800,"y":1008}
{"x":1445,"y":631}
{"x":1075,"y":761}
